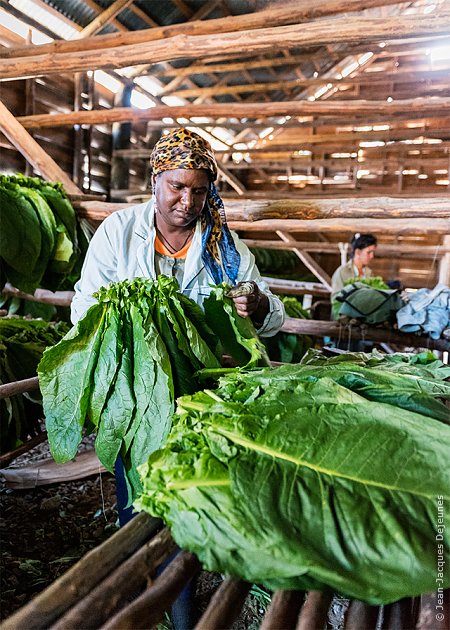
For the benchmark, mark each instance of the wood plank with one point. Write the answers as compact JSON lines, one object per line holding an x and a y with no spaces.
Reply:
{"x":338,"y":331}
{"x":295,"y":287}
{"x":299,"y":11}
{"x":47,"y":471}
{"x":32,"y":151}
{"x":426,"y":106}
{"x":257,"y":41}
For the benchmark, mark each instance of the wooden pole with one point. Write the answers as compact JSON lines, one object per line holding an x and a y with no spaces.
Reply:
{"x":256,"y":41}
{"x":306,"y":259}
{"x":295,"y":12}
{"x":444,"y":264}
{"x":80,"y":580}
{"x":425,"y":106}
{"x":321,"y":328}
{"x":32,"y":151}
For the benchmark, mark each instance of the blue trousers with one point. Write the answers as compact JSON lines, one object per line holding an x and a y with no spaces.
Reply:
{"x":182,"y":613}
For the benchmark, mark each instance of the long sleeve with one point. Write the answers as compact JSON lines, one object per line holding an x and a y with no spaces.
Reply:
{"x":249,"y":271}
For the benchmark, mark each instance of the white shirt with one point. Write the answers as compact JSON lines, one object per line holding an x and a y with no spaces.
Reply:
{"x":123,"y":248}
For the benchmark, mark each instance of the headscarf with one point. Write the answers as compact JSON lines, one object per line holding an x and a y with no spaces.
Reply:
{"x":185,"y":149}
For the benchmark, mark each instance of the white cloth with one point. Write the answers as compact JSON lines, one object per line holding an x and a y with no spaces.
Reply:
{"x":123,"y":248}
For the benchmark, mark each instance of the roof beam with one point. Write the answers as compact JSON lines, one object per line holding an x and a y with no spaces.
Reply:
{"x":105,"y":16}
{"x":300,"y":11}
{"x":33,"y":152}
{"x":239,"y":110}
{"x":362,"y":79}
{"x":257,"y":41}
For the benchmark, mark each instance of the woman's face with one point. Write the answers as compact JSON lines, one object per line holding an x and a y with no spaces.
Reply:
{"x":180,"y":195}
{"x":365,"y":255}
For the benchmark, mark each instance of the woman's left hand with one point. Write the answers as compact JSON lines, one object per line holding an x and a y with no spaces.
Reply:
{"x":250,"y":301}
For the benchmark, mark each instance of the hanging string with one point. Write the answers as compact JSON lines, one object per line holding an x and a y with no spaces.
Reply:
{"x":101,"y":492}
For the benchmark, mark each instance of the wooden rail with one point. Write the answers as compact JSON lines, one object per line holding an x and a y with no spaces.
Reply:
{"x":97,"y":590}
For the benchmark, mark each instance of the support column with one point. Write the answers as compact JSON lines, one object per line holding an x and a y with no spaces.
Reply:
{"x":121,"y":135}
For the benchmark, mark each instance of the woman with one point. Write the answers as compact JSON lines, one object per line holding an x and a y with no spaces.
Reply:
{"x":363,"y":250}
{"x":181,"y":232}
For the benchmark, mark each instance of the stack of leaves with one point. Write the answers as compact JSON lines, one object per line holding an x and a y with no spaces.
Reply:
{"x":275,"y":261}
{"x":22,"y":343}
{"x":287,"y":478}
{"x":375,"y":282}
{"x":41,"y":240}
{"x":287,"y":347}
{"x":119,"y":370}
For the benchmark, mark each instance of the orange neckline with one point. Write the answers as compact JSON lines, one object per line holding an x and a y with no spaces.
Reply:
{"x":160,"y":248}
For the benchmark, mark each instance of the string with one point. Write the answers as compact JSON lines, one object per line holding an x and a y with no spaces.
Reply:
{"x":171,"y":248}
{"x":101,"y":492}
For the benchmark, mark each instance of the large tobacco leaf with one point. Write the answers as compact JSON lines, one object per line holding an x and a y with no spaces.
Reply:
{"x":120,"y":369}
{"x":237,"y":334}
{"x":65,"y":380}
{"x":304,"y":485}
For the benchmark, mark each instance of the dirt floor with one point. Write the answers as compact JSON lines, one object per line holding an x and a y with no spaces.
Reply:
{"x":45,"y":530}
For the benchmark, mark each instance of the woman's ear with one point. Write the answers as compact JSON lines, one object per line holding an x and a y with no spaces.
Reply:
{"x":153,"y":181}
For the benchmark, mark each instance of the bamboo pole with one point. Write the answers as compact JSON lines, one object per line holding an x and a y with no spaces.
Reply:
{"x":294,"y":12}
{"x":426,"y":106}
{"x":32,"y":151}
{"x":255,"y":41}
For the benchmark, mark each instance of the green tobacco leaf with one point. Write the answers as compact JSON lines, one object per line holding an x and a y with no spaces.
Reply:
{"x":153,"y":391}
{"x":237,"y":334}
{"x":109,"y":360}
{"x":65,"y":379}
{"x":347,"y":489}
{"x":20,"y":236}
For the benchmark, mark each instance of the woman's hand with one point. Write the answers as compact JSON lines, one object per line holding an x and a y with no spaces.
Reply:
{"x":250,"y":301}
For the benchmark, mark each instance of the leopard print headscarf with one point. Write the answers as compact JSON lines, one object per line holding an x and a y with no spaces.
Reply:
{"x":185,"y":149}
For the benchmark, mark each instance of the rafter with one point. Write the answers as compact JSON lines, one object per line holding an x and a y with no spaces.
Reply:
{"x":343,"y":30}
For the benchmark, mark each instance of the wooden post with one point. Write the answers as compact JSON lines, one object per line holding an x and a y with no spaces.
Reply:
{"x":121,"y":134}
{"x":32,"y":151}
{"x":444,"y":263}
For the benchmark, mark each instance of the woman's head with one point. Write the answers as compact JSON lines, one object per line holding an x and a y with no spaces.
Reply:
{"x":363,"y":248}
{"x":183,"y":166}
{"x":183,"y":173}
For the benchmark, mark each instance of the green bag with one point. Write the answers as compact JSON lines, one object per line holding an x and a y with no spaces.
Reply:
{"x":367,"y":304}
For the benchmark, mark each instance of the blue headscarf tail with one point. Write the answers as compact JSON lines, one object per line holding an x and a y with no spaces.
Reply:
{"x":216,"y":232}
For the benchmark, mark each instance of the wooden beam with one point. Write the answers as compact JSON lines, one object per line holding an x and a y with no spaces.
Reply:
{"x":32,"y":151}
{"x":347,"y":226}
{"x":299,"y":11}
{"x":234,"y":182}
{"x":359,"y":80}
{"x":426,"y":106}
{"x":419,"y":252}
{"x":295,"y":287}
{"x":256,"y":41}
{"x":106,"y":16}
{"x":347,"y":333}
{"x":306,"y":259}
